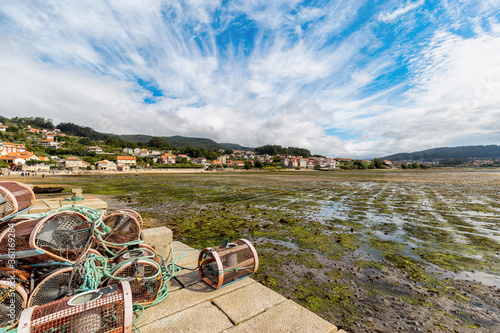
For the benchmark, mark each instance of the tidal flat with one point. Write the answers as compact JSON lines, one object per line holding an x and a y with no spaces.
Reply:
{"x":370,"y":251}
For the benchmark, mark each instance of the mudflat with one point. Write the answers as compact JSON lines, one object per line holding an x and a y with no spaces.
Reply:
{"x":371,"y":251}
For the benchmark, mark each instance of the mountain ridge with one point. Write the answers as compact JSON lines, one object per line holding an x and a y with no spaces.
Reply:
{"x":460,"y":152}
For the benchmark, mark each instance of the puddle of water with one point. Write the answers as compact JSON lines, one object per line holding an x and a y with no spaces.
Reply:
{"x":484,"y":278}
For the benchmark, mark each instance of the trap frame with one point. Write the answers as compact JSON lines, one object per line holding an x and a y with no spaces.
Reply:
{"x":222,"y":265}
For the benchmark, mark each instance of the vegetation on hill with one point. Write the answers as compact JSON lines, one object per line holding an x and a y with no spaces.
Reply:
{"x":464,"y":152}
{"x":274,"y":150}
{"x":177,"y":141}
{"x":37,"y":122}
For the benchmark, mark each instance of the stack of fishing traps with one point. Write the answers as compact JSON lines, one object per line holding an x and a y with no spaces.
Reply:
{"x":72,"y":270}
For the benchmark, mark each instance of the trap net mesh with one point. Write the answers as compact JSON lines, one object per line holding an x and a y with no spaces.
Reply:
{"x":142,"y":251}
{"x":125,"y":227}
{"x":105,"y":310}
{"x":64,"y":235}
{"x":220,"y":266}
{"x":14,"y":197}
{"x":144,"y":277}
{"x":12,"y":304}
{"x":59,"y":284}
{"x":22,"y":232}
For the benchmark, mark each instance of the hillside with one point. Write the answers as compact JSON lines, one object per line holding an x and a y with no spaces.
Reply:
{"x":463,"y":152}
{"x":179,"y":141}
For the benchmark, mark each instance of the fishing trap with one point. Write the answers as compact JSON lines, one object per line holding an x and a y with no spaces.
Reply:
{"x":104,"y":310}
{"x":13,"y":299}
{"x":227,"y":263}
{"x":63,"y":236}
{"x":58,"y":284}
{"x":125,"y":226}
{"x":144,"y":276}
{"x":135,"y":252}
{"x":14,"y":197}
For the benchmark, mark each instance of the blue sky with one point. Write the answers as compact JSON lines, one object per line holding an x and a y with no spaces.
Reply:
{"x":341,"y":78}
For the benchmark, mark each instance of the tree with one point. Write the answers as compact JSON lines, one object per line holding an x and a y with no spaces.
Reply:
{"x":258,"y":164}
{"x":86,"y":142}
{"x":377,"y":163}
{"x":415,"y":165}
{"x":248,"y":164}
{"x":358,"y":164}
{"x":160,"y":143}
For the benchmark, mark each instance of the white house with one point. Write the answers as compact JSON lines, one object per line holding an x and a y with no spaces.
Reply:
{"x":106,"y":165}
{"x":49,"y":143}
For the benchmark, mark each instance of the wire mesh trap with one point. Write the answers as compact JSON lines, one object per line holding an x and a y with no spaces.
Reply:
{"x":144,"y":276}
{"x":13,"y":299}
{"x":57,"y":285}
{"x":135,"y":252}
{"x":14,"y":197}
{"x":108,"y":309}
{"x":227,"y":263}
{"x":63,"y":236}
{"x":125,"y":226}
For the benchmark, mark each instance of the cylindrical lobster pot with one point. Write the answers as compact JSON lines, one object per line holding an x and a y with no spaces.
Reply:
{"x":14,"y":197}
{"x":220,"y":266}
{"x":13,"y":300}
{"x":63,"y":236}
{"x":107,"y":309}
{"x":144,"y":276}
{"x":56,"y":286}
{"x":142,"y":251}
{"x":125,"y":226}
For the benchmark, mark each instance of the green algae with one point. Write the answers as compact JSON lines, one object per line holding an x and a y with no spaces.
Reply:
{"x":380,"y":213}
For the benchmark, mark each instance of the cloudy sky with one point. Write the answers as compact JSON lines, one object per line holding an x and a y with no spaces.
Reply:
{"x":341,"y":78}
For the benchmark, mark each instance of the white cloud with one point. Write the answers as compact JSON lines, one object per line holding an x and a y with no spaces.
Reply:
{"x":255,"y":72}
{"x":389,"y":17}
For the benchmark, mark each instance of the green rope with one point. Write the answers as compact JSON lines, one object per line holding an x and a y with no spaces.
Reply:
{"x":97,"y":267}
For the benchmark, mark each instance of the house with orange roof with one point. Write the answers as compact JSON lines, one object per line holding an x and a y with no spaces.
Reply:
{"x":74,"y":163}
{"x":95,"y":149}
{"x":48,"y":143}
{"x":9,"y":147}
{"x":125,"y":160}
{"x":107,"y":165}
{"x":167,"y":158}
{"x":184,"y":156}
{"x":200,"y":160}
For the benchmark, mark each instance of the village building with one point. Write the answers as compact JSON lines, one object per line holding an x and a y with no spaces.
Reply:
{"x":167,"y":158}
{"x":123,"y":167}
{"x":143,"y":152}
{"x":200,"y":160}
{"x":74,"y":163}
{"x":126,"y":160}
{"x":181,"y":156}
{"x":48,"y":143}
{"x":107,"y":165}
{"x":8,"y":147}
{"x":95,"y":149}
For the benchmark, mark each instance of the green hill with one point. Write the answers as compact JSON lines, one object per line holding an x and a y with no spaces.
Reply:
{"x":178,"y":141}
{"x":464,"y":152}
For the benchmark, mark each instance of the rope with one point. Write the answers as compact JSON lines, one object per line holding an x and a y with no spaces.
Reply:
{"x":96,"y":268}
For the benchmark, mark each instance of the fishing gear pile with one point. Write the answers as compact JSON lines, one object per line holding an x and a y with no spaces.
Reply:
{"x":74,"y":269}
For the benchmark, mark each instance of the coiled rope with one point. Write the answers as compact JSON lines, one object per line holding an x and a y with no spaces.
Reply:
{"x":96,"y":268}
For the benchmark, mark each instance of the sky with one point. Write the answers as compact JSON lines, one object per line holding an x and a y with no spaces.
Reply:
{"x":358,"y":79}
